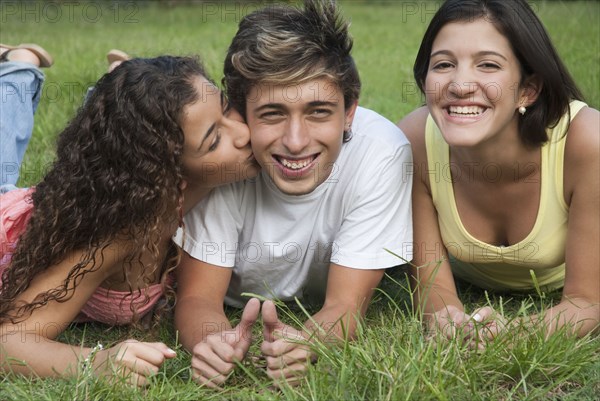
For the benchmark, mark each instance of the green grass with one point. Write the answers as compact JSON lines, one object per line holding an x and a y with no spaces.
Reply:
{"x":390,"y":360}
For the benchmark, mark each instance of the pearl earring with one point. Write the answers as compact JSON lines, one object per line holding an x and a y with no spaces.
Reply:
{"x":522,"y":110}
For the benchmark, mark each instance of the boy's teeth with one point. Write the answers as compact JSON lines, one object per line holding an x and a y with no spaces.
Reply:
{"x":466,"y":110}
{"x":295,"y":164}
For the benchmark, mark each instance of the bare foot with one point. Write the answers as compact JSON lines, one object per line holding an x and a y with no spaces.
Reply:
{"x":22,"y":55}
{"x":115,"y":57}
{"x":27,"y":53}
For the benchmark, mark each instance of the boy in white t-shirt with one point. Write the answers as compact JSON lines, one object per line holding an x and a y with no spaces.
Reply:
{"x":332,"y":198}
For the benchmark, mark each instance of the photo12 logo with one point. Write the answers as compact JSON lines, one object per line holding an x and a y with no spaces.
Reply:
{"x":124,"y":12}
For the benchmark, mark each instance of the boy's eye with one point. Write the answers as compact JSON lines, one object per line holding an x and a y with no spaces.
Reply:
{"x":271,"y":114}
{"x":321,"y":112}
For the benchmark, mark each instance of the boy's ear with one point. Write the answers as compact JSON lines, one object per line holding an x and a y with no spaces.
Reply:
{"x":530,"y":90}
{"x":350,"y":112}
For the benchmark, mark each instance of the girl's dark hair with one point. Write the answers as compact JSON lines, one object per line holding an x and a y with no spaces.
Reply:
{"x":116,"y":176}
{"x":533,"y":48}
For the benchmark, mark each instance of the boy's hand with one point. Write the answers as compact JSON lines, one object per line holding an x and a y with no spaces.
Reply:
{"x":284,"y":348}
{"x":214,"y":358}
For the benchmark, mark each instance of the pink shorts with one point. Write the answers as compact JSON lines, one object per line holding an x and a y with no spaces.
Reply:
{"x":105,"y":306}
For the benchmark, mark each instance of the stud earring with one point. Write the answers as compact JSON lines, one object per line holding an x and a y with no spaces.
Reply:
{"x":522,"y":110}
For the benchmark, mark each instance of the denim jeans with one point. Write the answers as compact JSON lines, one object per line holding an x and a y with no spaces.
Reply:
{"x":20,"y":93}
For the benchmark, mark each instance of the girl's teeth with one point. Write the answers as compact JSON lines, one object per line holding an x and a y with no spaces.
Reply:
{"x":468,"y":110}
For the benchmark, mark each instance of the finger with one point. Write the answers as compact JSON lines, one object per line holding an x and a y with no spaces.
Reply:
{"x":203,"y":381}
{"x":219,"y":345}
{"x":289,"y":359}
{"x":243,"y":331}
{"x":462,"y":325}
{"x":291,"y":372}
{"x":135,"y":372}
{"x":162,"y":347}
{"x":136,"y":379}
{"x":141,"y":367}
{"x":476,"y":344}
{"x":491,"y":329}
{"x":149,"y":352}
{"x":449,"y":330}
{"x":250,"y":314}
{"x":224,"y":355}
{"x":281,"y":347}
{"x":275,"y":348}
{"x":133,"y":354}
{"x":477,"y":317}
{"x":203,"y":373}
{"x":270,"y":320}
{"x":214,"y":352}
{"x":459,"y":317}
{"x":287,"y":382}
{"x":483,"y":314}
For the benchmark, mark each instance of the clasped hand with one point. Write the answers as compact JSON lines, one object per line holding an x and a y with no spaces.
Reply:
{"x":284,"y":348}
{"x":483,"y":325}
{"x":134,"y":360}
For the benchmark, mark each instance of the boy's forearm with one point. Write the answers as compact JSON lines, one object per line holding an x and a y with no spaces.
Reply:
{"x":334,"y":323}
{"x":196,"y":319}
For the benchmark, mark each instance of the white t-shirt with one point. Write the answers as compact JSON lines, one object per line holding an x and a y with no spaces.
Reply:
{"x":280,"y":246}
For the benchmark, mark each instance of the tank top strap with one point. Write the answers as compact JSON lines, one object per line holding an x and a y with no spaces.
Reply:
{"x":554,"y":149}
{"x":438,"y":162}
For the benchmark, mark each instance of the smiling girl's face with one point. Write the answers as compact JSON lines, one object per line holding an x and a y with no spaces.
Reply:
{"x":473,"y":84}
{"x":217,"y":141}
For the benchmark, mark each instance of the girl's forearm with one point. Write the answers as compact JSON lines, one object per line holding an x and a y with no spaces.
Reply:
{"x":578,"y":315}
{"x":35,"y":355}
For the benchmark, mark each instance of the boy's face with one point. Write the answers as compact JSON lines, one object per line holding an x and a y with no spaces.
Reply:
{"x":296,"y":131}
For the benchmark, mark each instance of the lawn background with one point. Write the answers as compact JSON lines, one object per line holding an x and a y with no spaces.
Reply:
{"x":390,"y":360}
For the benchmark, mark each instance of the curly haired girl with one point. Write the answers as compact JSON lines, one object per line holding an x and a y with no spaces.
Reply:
{"x":92,"y":241}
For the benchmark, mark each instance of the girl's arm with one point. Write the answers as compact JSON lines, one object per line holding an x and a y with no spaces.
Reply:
{"x":29,"y":347}
{"x":204,"y":330}
{"x":435,"y":292}
{"x":580,"y":303}
{"x":579,"y":307}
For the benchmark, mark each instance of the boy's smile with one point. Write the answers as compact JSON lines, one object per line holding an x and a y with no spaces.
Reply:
{"x":297,"y":132}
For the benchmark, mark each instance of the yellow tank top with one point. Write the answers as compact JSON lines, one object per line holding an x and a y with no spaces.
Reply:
{"x":540,"y":254}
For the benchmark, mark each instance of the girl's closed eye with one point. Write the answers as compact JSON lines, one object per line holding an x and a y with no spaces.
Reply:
{"x":442,"y":65}
{"x":489,"y":66}
{"x":216,"y":140}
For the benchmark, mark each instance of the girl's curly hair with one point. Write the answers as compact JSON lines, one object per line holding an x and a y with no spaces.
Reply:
{"x":117,"y":176}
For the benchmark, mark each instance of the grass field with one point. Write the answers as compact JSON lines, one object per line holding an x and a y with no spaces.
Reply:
{"x":390,"y":360}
